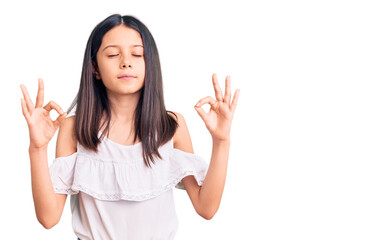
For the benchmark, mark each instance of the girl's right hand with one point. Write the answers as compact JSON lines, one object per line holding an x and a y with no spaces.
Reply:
{"x":41,"y":127}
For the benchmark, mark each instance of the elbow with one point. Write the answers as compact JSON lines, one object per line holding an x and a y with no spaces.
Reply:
{"x":48,"y":217}
{"x":47,"y":224}
{"x":207,"y":208}
{"x":207,"y":211}
{"x":207,"y":215}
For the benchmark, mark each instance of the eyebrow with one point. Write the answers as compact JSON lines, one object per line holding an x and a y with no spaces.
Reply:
{"x":117,"y":46}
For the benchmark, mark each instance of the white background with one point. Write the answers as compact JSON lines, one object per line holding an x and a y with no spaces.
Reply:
{"x":310,"y":140}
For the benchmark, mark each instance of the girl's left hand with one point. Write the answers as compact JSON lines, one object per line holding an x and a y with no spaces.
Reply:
{"x":219,"y":118}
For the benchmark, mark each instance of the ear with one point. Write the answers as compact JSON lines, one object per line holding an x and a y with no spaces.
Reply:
{"x":96,"y":70}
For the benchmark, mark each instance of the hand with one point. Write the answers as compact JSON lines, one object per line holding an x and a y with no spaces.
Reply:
{"x":219,"y":118}
{"x":41,"y":127}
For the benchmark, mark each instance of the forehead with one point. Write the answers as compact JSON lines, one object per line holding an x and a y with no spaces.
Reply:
{"x":122,"y":36}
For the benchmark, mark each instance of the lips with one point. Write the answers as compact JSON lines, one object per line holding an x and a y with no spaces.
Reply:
{"x":127,"y":77}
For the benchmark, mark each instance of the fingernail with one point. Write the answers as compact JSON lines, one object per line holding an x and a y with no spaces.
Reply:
{"x":198,"y":104}
{"x":61,"y":111}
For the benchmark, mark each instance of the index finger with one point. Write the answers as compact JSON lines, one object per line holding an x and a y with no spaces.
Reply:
{"x":40,"y":94}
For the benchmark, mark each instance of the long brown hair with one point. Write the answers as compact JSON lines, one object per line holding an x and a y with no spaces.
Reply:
{"x":152,"y":123}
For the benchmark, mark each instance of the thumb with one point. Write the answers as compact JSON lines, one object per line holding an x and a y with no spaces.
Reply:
{"x":59,"y":120}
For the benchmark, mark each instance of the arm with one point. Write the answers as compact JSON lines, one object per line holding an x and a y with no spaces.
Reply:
{"x":45,"y":200}
{"x":211,"y":191}
{"x":48,"y":204}
{"x":205,"y":199}
{"x":218,"y":122}
{"x":41,"y":130}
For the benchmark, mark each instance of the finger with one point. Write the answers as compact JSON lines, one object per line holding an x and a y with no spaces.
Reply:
{"x":201,"y":112}
{"x":52,"y":105}
{"x":25,"y":112}
{"x":227,"y":96}
{"x":207,"y":100}
{"x":218,"y":93}
{"x":39,"y":102}
{"x":27,"y":99}
{"x":234,"y":101}
{"x":59,"y":120}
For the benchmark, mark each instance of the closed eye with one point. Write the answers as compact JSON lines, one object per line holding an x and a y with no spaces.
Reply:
{"x":137,"y":55}
{"x":113,"y":55}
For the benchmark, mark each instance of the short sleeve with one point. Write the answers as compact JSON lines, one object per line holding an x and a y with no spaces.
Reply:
{"x":121,"y":174}
{"x":72,"y":112}
{"x":62,"y":174}
{"x":188,"y":164}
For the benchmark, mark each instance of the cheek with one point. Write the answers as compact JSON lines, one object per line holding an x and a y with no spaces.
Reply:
{"x":107,"y":68}
{"x":141,"y":67}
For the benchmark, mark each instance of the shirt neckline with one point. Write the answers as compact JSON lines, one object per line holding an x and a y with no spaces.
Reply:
{"x":120,"y":145}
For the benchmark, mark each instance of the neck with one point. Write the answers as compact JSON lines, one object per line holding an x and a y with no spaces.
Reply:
{"x":123,"y":107}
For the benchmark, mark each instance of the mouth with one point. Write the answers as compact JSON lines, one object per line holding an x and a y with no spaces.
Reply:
{"x":127,"y":77}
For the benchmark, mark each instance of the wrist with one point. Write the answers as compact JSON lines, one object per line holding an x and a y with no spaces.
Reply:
{"x":226,"y":141}
{"x":33,"y":149}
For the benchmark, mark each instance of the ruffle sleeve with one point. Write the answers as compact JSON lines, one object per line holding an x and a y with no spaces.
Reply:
{"x":188,"y":164}
{"x":120,"y":173}
{"x":62,"y":174}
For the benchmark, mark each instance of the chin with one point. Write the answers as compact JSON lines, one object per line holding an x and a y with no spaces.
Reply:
{"x":132,"y":91}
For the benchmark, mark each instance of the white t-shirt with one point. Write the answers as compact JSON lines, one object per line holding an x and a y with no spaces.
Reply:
{"x":114,"y":195}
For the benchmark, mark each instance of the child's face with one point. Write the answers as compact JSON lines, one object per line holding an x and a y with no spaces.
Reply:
{"x":121,"y":53}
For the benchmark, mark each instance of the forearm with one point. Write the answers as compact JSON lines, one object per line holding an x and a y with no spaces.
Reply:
{"x":42,"y":188}
{"x":212,"y":189}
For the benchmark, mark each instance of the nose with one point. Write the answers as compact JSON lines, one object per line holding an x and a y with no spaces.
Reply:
{"x":126,"y":62}
{"x":125,"y":65}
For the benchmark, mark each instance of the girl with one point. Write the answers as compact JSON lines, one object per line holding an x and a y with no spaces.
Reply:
{"x":119,"y":153}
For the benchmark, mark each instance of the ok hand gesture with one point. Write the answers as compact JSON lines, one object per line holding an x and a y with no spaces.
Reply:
{"x":219,"y":118}
{"x":41,"y":127}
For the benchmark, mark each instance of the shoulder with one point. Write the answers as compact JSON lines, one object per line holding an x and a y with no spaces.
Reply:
{"x":182,"y":139}
{"x":66,"y":139}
